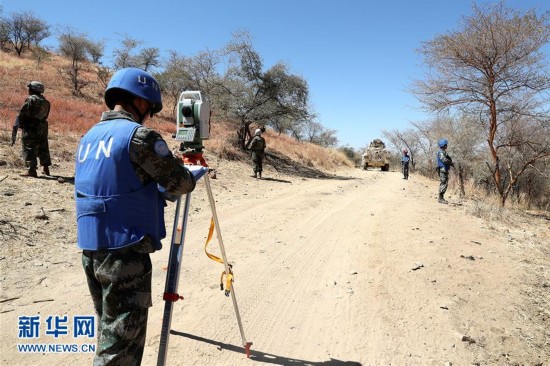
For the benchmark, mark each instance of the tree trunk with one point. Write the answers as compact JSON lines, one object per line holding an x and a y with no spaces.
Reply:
{"x":461,"y":180}
{"x":244,"y":136}
{"x":496,"y":159}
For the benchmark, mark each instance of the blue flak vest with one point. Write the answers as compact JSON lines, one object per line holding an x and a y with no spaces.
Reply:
{"x":440,"y":162}
{"x":113,"y":207}
{"x":405,"y":159}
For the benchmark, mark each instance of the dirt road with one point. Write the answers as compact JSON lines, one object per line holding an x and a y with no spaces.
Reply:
{"x":364,"y":268}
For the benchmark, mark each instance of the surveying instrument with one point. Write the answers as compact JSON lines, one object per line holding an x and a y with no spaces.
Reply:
{"x":192,"y":127}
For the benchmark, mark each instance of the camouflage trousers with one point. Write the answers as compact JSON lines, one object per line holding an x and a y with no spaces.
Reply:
{"x":35,"y":146}
{"x":443,"y":181}
{"x":120,"y":285}
{"x":257,"y":160}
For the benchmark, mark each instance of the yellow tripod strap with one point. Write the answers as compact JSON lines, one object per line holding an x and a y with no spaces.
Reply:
{"x":229,"y":277}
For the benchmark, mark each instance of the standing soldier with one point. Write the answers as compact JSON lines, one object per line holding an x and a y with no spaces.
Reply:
{"x":121,"y":169}
{"x":405,"y":159}
{"x":444,"y":163}
{"x":33,"y":122}
{"x":257,"y":146}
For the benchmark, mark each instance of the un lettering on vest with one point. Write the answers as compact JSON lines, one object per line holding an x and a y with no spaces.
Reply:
{"x":100,"y":150}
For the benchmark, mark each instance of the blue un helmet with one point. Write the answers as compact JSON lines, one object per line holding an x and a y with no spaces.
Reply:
{"x":135,"y":82}
{"x":442,"y":142}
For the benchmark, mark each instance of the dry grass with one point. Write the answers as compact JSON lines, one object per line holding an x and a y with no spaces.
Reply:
{"x":307,"y":154}
{"x":486,"y":206}
{"x":223,"y":142}
{"x":72,"y":116}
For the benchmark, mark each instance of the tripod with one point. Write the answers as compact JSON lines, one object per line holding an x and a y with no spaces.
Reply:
{"x":174,"y":262}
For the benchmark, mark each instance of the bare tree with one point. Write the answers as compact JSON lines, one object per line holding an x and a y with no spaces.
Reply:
{"x":312,"y":131}
{"x":4,"y":33}
{"x":95,"y":51}
{"x":17,"y":33}
{"x":328,"y":138}
{"x":23,"y":29}
{"x":526,"y":148}
{"x":493,"y":67}
{"x":202,"y":69}
{"x":175,"y":77}
{"x":193,"y":73}
{"x":124,"y":56}
{"x":149,"y":57}
{"x":293,"y":127}
{"x":103,"y":76}
{"x":255,"y":96}
{"x":316,"y":133}
{"x":35,"y":29}
{"x":81,"y":51}
{"x":129,"y":55}
{"x":4,"y":30}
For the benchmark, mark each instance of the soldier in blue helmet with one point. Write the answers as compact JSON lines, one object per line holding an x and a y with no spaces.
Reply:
{"x":121,"y":169}
{"x":444,"y":163}
{"x":405,"y":159}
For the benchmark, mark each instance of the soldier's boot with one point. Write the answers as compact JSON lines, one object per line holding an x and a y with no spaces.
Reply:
{"x":441,"y":199}
{"x":46,"y":170}
{"x":255,"y":175}
{"x":30,"y":173}
{"x":260,"y":174}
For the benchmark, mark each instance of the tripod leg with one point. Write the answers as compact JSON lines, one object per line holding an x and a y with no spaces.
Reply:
{"x":172,"y":277}
{"x":225,"y":263}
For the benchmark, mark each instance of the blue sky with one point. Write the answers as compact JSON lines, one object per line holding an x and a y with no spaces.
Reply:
{"x":358,"y":56}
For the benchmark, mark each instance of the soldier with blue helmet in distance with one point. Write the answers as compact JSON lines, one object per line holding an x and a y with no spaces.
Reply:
{"x":123,"y":172}
{"x":444,"y":163}
{"x":405,"y":159}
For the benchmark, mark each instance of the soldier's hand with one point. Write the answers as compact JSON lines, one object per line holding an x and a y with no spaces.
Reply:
{"x":177,"y":154}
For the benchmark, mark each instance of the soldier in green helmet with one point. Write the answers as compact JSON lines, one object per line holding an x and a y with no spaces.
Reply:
{"x":257,"y":147}
{"x":33,"y":123}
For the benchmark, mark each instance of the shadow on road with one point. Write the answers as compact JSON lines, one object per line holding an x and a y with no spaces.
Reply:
{"x":259,"y":356}
{"x":58,"y":178}
{"x":284,"y":165}
{"x":276,"y":180}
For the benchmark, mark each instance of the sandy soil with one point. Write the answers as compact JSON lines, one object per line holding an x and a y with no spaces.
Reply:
{"x":362,"y":268}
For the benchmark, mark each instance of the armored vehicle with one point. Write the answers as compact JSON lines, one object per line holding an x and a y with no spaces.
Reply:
{"x":376,"y":156}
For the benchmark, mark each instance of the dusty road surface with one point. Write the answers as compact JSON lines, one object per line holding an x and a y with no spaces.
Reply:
{"x":363,"y":268}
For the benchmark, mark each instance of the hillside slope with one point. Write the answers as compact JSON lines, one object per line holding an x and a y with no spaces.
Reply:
{"x":72,"y":116}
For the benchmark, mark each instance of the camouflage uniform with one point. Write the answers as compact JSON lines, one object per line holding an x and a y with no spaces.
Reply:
{"x":447,"y":162}
{"x":257,"y":146}
{"x":33,"y":121}
{"x":120,"y":285}
{"x":120,"y":280}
